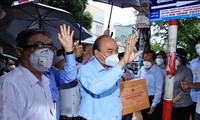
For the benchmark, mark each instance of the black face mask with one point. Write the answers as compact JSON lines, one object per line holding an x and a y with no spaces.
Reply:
{"x":80,"y":59}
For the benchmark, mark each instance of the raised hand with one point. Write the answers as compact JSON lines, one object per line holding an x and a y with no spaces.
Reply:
{"x":129,"y":54}
{"x":133,"y":56}
{"x":107,"y":32}
{"x":65,"y":38}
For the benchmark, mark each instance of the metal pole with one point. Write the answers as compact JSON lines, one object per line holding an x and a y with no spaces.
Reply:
{"x":80,"y":27}
{"x":169,"y":80}
{"x":110,"y":15}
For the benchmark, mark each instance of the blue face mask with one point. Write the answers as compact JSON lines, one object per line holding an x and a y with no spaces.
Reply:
{"x":79,"y":59}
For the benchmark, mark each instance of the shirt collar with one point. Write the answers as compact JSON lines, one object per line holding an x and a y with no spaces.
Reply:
{"x":98,"y":65}
{"x":45,"y":81}
{"x":152,"y":68}
{"x":32,"y":79}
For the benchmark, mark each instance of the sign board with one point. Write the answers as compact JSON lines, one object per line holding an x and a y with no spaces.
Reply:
{"x":134,"y":96}
{"x":161,"y":10}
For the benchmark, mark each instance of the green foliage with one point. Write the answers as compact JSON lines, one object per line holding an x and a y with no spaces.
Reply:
{"x":76,"y":7}
{"x":157,"y":47}
{"x":159,"y":34}
{"x":188,"y":33}
{"x":87,"y":18}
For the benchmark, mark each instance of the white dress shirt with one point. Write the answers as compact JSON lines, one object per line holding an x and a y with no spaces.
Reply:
{"x":24,"y":97}
{"x":70,"y":99}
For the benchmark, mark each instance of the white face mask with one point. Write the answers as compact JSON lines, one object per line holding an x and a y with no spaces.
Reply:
{"x":147,"y":64}
{"x":197,"y":47}
{"x":11,"y":67}
{"x":159,"y":61}
{"x":111,"y":60}
{"x":42,"y":59}
{"x":177,"y":62}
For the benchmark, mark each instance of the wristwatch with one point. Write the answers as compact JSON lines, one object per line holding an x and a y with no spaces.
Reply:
{"x":68,"y":53}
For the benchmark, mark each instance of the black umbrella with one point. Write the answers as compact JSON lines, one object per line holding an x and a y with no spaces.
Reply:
{"x":35,"y":15}
{"x":124,"y":4}
{"x":85,"y":34}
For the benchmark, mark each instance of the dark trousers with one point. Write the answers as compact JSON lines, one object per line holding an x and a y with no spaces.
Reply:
{"x":193,"y":109}
{"x":182,"y":113}
{"x":62,"y":117}
{"x":197,"y":116}
{"x":157,"y":114}
{"x":127,"y":117}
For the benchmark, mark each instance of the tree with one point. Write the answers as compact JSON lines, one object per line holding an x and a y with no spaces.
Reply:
{"x":87,"y":20}
{"x":188,"y":33}
{"x":157,"y":47}
{"x":76,"y":7}
{"x":159,"y":34}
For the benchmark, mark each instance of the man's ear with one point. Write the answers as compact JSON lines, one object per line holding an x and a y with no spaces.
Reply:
{"x":96,"y":53}
{"x":19,"y":51}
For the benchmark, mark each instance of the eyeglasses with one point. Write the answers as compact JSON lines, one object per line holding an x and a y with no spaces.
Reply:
{"x":40,"y":46}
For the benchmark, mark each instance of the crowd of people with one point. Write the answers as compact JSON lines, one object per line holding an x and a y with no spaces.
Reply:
{"x":81,"y":81}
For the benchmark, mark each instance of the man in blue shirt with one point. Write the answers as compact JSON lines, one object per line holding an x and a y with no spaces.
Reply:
{"x":154,"y":79}
{"x":69,"y":107}
{"x":195,"y":67}
{"x":58,"y":76}
{"x":100,"y":79}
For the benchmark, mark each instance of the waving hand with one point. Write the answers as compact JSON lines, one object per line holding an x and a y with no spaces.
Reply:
{"x":66,"y":38}
{"x":129,"y":54}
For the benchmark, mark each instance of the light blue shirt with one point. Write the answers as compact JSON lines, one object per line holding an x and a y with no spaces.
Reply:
{"x":100,"y":91}
{"x":195,"y":67}
{"x":58,"y":77}
{"x":154,"y":80}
